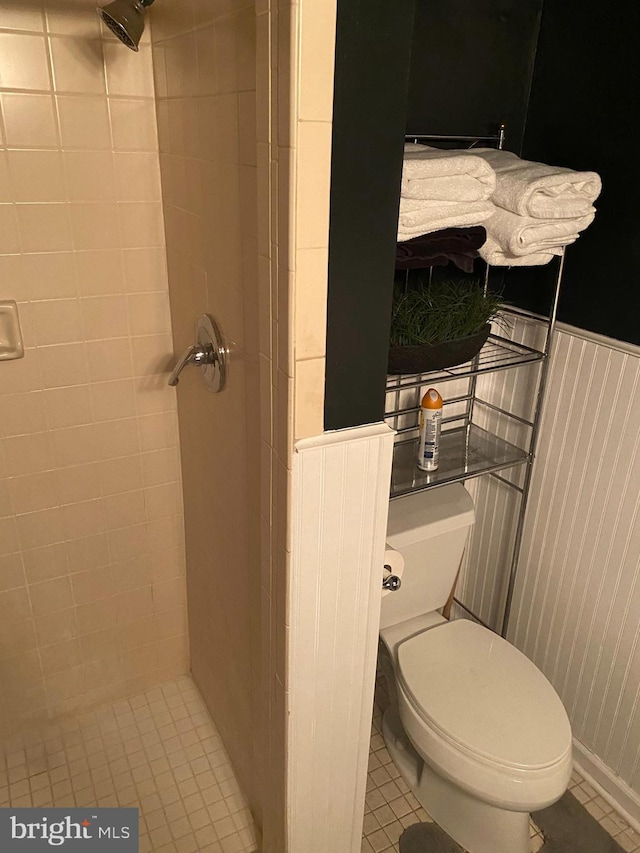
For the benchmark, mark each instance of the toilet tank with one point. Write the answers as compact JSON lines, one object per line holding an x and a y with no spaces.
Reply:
{"x":430,"y":530}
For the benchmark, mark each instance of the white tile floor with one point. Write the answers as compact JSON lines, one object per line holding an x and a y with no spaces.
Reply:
{"x":158,"y":751}
{"x":391,"y":807}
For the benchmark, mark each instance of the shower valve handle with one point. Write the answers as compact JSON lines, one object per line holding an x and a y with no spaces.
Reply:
{"x":195,"y":354}
{"x":209,"y":352}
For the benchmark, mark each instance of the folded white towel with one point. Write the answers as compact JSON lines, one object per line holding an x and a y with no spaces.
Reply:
{"x":435,"y":174}
{"x":538,"y":190}
{"x":496,"y":257}
{"x":524,"y":235}
{"x":423,"y":217}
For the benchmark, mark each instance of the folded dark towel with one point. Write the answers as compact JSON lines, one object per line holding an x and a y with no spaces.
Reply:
{"x":458,"y":245}
{"x":463,"y":262}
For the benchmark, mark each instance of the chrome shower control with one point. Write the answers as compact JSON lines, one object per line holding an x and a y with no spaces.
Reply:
{"x":209,"y":352}
{"x":391,"y":582}
{"x":192,"y":355}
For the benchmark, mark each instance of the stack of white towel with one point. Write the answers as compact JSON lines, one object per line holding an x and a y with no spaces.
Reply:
{"x":540,"y":209}
{"x":443,"y":189}
{"x":530,"y":210}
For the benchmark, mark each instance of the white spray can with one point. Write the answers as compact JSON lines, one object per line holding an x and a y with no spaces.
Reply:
{"x":430,"y":425}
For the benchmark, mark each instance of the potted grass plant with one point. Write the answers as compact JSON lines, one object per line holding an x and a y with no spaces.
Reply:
{"x":440,"y":324}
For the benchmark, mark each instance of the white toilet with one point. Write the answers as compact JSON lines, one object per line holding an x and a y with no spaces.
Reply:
{"x":475,"y":728}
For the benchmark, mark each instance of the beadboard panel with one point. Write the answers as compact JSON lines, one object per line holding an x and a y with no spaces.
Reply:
{"x":340,"y":505}
{"x":576,"y":609}
{"x":579,"y":599}
{"x":490,"y":547}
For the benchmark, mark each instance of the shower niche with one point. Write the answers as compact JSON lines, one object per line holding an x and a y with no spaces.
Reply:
{"x":11,"y":343}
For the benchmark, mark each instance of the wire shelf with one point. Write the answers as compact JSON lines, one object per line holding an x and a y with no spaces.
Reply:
{"x":464,"y":452}
{"x":497,"y":354}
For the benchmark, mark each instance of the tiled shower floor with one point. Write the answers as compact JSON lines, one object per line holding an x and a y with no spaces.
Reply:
{"x":158,"y":751}
{"x":391,"y":807}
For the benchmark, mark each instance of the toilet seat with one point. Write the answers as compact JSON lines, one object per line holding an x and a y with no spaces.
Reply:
{"x":484,"y":715}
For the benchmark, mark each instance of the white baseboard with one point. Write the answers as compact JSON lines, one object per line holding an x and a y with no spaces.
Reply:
{"x":610,"y":787}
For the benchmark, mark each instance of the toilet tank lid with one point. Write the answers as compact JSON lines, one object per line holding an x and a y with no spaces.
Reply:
{"x":425,"y":515}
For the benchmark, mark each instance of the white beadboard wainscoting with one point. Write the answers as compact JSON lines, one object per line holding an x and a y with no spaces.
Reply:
{"x":340,"y":501}
{"x":576,"y":607}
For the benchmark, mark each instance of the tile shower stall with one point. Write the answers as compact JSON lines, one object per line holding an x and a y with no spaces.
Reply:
{"x":128,"y":207}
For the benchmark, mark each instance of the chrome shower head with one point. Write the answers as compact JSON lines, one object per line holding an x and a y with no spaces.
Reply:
{"x":125,"y":18}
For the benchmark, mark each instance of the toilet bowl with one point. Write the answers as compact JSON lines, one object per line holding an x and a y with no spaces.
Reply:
{"x":477,"y":731}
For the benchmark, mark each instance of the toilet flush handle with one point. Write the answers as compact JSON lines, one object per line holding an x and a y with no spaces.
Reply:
{"x":391,"y":582}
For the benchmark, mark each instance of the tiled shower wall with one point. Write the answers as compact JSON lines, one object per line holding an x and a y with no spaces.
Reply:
{"x":295,"y":55}
{"x":205,"y":64}
{"x":91,"y":541}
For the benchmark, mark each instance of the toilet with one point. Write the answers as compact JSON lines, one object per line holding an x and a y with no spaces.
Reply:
{"x":473,"y":726}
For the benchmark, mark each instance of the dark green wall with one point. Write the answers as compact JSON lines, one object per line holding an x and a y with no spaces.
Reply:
{"x":563,"y":77}
{"x":583,"y":113}
{"x":373,"y":44}
{"x":471,"y":66}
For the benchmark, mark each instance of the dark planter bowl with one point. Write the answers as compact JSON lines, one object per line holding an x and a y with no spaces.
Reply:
{"x":423,"y":358}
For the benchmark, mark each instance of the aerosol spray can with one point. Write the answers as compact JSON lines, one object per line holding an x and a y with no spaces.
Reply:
{"x":430,"y":424}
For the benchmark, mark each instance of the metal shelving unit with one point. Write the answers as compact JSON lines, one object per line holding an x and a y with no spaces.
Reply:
{"x":467,"y":449}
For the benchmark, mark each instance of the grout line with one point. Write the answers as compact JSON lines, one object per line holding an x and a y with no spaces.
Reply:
{"x":158,"y":750}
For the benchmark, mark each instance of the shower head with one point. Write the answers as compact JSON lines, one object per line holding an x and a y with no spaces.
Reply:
{"x":125,"y":18}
